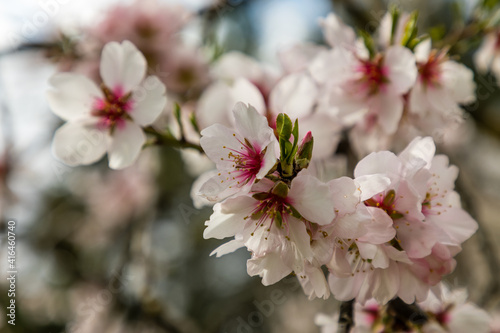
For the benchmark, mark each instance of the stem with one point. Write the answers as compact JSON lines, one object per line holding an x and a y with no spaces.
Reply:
{"x":166,"y":139}
{"x":407,"y":313}
{"x":346,"y":317}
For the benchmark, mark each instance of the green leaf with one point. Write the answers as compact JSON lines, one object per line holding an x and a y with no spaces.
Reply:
{"x":369,"y":43}
{"x":410,"y":31}
{"x":395,"y":14}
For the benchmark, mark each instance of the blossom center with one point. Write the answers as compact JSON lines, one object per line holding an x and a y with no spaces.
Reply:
{"x":430,"y":72}
{"x":247,"y":161}
{"x":113,"y":108}
{"x":373,"y":75}
{"x":386,"y":203}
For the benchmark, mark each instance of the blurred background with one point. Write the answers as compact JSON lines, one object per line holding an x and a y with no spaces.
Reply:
{"x":122,"y":251}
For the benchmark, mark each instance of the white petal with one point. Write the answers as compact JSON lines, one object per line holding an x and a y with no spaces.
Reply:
{"x":79,"y":142}
{"x":460,"y":81}
{"x":312,"y":199}
{"x":336,"y":32}
{"x":246,"y":92}
{"x":402,"y":68}
{"x":270,"y":267}
{"x":486,"y":52}
{"x":228,"y":247}
{"x":72,"y":96}
{"x":386,"y":283}
{"x":422,"y":50}
{"x":125,"y":146}
{"x":228,"y":217}
{"x":294,"y":95}
{"x":149,"y":100}
{"x":214,"y":105}
{"x":298,"y":56}
{"x":252,"y":125}
{"x":122,"y":66}
{"x":345,"y":195}
{"x":384,"y":162}
{"x":370,"y":185}
{"x":389,"y":108}
{"x":419,"y":153}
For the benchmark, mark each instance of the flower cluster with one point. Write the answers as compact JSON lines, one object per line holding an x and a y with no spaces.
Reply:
{"x":391,"y":231}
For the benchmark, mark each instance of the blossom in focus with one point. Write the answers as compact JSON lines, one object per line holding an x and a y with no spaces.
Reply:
{"x":106,"y":118}
{"x":242,"y":155}
{"x":487,"y":57}
{"x":428,"y":224}
{"x":283,"y":226}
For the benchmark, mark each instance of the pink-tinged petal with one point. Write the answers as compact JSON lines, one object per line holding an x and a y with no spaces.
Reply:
{"x":338,"y":265}
{"x":370,"y":185}
{"x":234,"y":65}
{"x":228,"y":217}
{"x":396,"y":255}
{"x":217,"y":142}
{"x":228,"y":247}
{"x":345,"y":289}
{"x":79,"y":142}
{"x":456,"y":224}
{"x":410,"y":286}
{"x":220,"y":187}
{"x":123,"y":66}
{"x":416,"y":238}
{"x":294,"y":95}
{"x":423,"y":50}
{"x":469,"y":318}
{"x":386,"y":283}
{"x":379,"y":228}
{"x":389,"y":109}
{"x":246,"y":92}
{"x":299,"y":56}
{"x":336,"y":32}
{"x":313,"y":282}
{"x":312,"y":199}
{"x":384,"y":163}
{"x":125,"y":145}
{"x":408,"y":202}
{"x":300,"y":238}
{"x":486,"y":52}
{"x":269,"y":267}
{"x":252,"y":125}
{"x":402,"y":68}
{"x":214,"y":106}
{"x":352,"y":225}
{"x":418,"y":154}
{"x":148,"y":100}
{"x":417,"y":101}
{"x":322,"y":67}
{"x":441,"y":100}
{"x":326,"y":133}
{"x":459,"y":80}
{"x":345,"y":195}
{"x":72,"y":95}
{"x":270,"y":158}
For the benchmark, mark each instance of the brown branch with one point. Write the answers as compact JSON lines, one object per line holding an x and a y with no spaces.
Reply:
{"x":346,"y":317}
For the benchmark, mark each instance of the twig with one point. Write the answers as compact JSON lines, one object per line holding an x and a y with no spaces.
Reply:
{"x":168,"y":140}
{"x":346,"y":317}
{"x":407,"y":313}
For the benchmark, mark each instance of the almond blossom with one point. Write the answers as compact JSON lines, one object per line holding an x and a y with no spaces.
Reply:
{"x":106,"y":118}
{"x":487,"y":57}
{"x":242,"y":156}
{"x":427,"y":223}
{"x":363,"y":89}
{"x":283,"y":227}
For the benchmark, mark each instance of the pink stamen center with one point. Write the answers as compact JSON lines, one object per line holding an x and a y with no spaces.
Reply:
{"x":374,"y":75}
{"x":273,"y":208}
{"x":430,"y":72}
{"x":113,"y":108}
{"x":247,"y":161}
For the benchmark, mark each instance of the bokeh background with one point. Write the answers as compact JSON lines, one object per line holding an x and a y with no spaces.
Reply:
{"x":122,"y":251}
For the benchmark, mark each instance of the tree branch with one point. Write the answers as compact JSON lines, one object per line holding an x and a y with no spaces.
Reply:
{"x":346,"y":317}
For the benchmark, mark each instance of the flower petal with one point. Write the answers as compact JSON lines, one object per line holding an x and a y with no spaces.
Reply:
{"x":270,"y":267}
{"x":295,"y":94}
{"x":312,"y":199}
{"x":123,"y":66}
{"x":125,"y":145}
{"x":149,"y":100}
{"x":402,"y":68}
{"x":79,"y":142}
{"x":73,"y":95}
